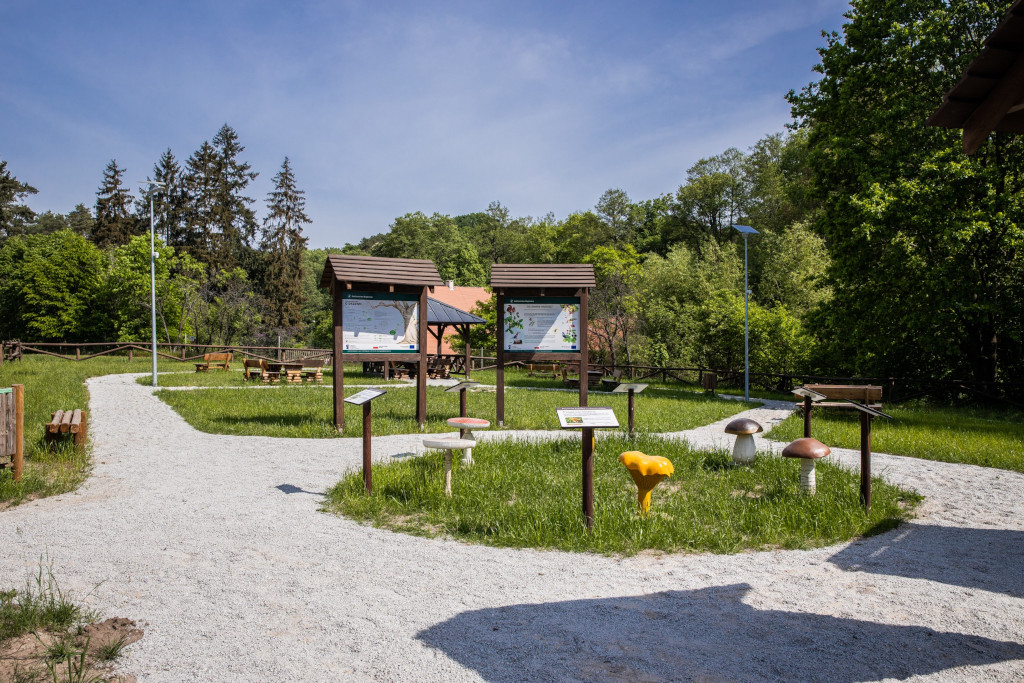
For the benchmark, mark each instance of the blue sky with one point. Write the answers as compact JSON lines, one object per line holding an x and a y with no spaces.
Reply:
{"x":390,"y":107}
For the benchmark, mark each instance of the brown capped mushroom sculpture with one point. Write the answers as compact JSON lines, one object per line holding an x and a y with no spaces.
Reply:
{"x":808,"y":450}
{"x":744,"y":428}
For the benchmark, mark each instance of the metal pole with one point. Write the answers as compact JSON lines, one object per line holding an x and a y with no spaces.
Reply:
{"x":152,"y":277}
{"x":746,"y":326}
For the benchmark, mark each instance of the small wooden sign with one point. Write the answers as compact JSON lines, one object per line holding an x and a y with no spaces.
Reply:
{"x":867,"y":409}
{"x":626,"y":388}
{"x":364,"y":396}
{"x":462,"y":386}
{"x":578,"y":418}
{"x":809,"y":393}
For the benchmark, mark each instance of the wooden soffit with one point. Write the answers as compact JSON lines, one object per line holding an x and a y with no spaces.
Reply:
{"x":990,"y":94}
{"x":380,"y":270}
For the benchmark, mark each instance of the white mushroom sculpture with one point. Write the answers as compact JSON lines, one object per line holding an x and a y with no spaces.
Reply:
{"x":744,"y":428}
{"x":808,"y":450}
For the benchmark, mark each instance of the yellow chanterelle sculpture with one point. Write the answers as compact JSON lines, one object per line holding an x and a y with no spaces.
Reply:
{"x":647,"y":471}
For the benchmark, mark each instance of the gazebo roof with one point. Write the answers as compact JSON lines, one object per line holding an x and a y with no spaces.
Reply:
{"x":533,"y":275}
{"x":440,"y":313}
{"x":378,"y":269}
{"x":990,"y":94}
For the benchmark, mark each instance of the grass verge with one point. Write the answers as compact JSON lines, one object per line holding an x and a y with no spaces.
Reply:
{"x":521,"y":495}
{"x":296,"y":411}
{"x":974,"y":436}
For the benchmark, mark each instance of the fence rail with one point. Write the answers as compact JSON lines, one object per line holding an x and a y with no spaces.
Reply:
{"x":894,"y":389}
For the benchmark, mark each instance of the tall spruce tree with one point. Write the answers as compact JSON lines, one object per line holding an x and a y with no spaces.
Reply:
{"x":233,"y":218}
{"x":168,"y":201}
{"x":14,"y":215}
{"x":282,"y":247}
{"x":115,"y":223}
{"x":198,"y":182}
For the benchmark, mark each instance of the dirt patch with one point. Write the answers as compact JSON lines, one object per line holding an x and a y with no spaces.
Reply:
{"x":30,"y":657}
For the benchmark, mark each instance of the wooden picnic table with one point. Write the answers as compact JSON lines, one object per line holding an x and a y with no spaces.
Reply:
{"x":290,"y":372}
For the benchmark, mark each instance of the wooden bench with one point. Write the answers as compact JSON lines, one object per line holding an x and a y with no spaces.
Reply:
{"x":73,"y":422}
{"x":543,"y":370}
{"x":216,"y":360}
{"x":253,"y":368}
{"x":313,"y":369}
{"x":868,"y":394}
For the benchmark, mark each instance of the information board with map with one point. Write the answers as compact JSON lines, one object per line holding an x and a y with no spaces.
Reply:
{"x":380,"y":322}
{"x":542,"y":323}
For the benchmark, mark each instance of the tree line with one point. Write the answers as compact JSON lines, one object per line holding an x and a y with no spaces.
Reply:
{"x":882,"y":250}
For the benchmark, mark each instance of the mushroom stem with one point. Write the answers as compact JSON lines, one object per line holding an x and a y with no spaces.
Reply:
{"x":807,"y":480}
{"x":744,"y":452}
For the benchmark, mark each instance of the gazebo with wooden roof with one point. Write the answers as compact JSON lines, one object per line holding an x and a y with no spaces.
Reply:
{"x":354,"y":277}
{"x":990,"y":95}
{"x":541,"y":283}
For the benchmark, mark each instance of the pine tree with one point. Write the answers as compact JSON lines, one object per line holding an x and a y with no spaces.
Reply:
{"x":13,"y":213}
{"x":283,"y":245}
{"x":232,"y":216}
{"x":115,"y":223}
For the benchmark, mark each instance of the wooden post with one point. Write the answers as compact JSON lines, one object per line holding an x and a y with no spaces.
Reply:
{"x":500,"y":367}
{"x":585,"y":363}
{"x":19,"y":430}
{"x":131,"y":354}
{"x":367,"y":461}
{"x":588,"y":477}
{"x":339,"y":364}
{"x":78,"y":353}
{"x":807,"y":416}
{"x":631,"y":413}
{"x":421,"y":375}
{"x":865,"y":460}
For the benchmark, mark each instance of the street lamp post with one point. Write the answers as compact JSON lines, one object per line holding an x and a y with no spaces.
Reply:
{"x":153,"y":185}
{"x":746,"y":230}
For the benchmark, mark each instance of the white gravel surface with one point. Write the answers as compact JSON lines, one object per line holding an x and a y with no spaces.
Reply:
{"x":216,"y":545}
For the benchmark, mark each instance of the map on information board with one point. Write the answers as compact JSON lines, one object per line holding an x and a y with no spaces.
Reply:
{"x":380,"y":322}
{"x":542,"y":323}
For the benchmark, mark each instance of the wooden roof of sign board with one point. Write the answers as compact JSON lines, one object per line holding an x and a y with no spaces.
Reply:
{"x":554,"y":275}
{"x":990,"y":94}
{"x":377,"y":269}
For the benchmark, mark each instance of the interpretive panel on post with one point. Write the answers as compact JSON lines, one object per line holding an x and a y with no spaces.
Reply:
{"x":380,"y":322}
{"x":364,"y":396}
{"x":461,"y":386}
{"x":626,"y":388}
{"x":542,"y":323}
{"x":576,"y":418}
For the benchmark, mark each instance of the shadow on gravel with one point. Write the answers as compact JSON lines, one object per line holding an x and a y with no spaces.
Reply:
{"x":988,"y":559}
{"x":291,"y":488}
{"x":686,"y":635}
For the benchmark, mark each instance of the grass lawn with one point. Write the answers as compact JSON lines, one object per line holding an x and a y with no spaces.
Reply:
{"x":305,"y":411}
{"x":976,"y":436}
{"x":529,"y":495}
{"x":52,"y":384}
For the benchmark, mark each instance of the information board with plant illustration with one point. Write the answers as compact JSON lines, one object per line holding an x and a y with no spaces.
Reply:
{"x":541,"y":323}
{"x":380,"y":322}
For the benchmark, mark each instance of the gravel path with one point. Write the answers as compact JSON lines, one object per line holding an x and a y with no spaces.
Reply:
{"x":216,"y":544}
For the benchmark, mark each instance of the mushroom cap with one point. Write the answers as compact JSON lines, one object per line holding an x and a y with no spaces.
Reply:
{"x":743,"y":425}
{"x":646,"y":465}
{"x":806,"y":448}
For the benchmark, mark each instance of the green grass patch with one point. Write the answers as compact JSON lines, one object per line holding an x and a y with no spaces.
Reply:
{"x":970,"y":435}
{"x":41,"y":606}
{"x":529,"y":495}
{"x":302,"y":411}
{"x":52,"y":384}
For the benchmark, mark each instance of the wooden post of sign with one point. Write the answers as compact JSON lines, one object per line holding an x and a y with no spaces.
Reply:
{"x":339,"y":364}
{"x":367,"y":462}
{"x":584,"y":355}
{"x":807,"y":417}
{"x":500,"y":401}
{"x":865,"y":460}
{"x":19,"y":430}
{"x":588,"y":476}
{"x":462,"y":410}
{"x":421,"y":374}
{"x":630,"y":411}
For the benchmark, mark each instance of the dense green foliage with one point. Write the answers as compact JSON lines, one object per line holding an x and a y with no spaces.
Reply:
{"x":924,"y":241}
{"x":523,"y":494}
